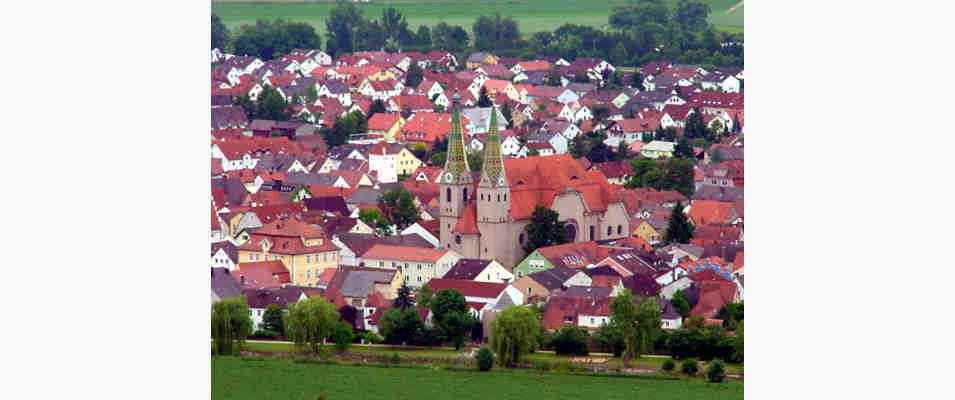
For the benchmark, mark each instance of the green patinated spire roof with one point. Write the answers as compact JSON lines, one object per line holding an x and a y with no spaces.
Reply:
{"x":456,"y":170}
{"x":493,"y":169}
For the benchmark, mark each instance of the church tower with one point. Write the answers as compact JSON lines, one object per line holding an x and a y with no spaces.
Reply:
{"x":455,"y":182}
{"x":493,"y":201}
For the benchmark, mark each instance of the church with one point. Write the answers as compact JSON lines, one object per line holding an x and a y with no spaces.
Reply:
{"x":484,"y":215}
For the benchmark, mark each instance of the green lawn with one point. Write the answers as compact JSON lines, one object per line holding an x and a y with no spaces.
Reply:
{"x":236,"y":378}
{"x":533,"y":15}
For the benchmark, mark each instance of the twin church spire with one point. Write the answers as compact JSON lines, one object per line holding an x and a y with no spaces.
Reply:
{"x":456,"y":168}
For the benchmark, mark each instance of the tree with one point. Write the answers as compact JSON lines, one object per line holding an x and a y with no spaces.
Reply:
{"x":309,"y":322}
{"x":377,"y":106}
{"x":695,"y":128}
{"x":545,"y":230}
{"x":514,"y":334}
{"x":571,"y":340}
{"x":404,"y":300}
{"x":341,"y":25}
{"x":451,"y":316}
{"x":553,"y":77}
{"x":423,"y":297}
{"x":438,"y":159}
{"x":668,"y":365}
{"x":423,"y":37}
{"x":400,"y":326}
{"x":271,"y":105}
{"x":485,"y":359}
{"x":220,"y":34}
{"x":683,"y":149}
{"x":507,"y":113}
{"x":349,"y":314}
{"x":272,"y":319}
{"x":230,"y":325}
{"x":679,"y":228}
{"x":581,"y":77}
{"x":267,"y":39}
{"x":375,"y":220}
{"x":483,"y":99}
{"x":476,"y":160}
{"x":449,"y":38}
{"x":495,"y":33}
{"x":692,"y":15}
{"x":681,"y":303}
{"x":731,"y":314}
{"x":396,"y":27}
{"x":639,"y":323}
{"x":398,"y":207}
{"x":414,"y":76}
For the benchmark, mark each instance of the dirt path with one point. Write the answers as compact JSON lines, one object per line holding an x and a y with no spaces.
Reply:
{"x":733,"y":8}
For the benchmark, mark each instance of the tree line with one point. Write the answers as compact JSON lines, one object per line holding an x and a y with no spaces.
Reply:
{"x":635,"y":34}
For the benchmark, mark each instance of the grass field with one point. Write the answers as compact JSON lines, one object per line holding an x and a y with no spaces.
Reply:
{"x":533,"y":15}
{"x":236,"y":378}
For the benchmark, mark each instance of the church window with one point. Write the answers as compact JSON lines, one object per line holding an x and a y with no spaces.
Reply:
{"x":457,"y":239}
{"x":609,"y":230}
{"x":619,"y":229}
{"x":448,"y":194}
{"x":465,"y":197}
{"x":498,"y":198}
{"x":591,"y":232}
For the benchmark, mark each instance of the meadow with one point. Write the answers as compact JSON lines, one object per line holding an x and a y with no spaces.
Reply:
{"x":238,"y":378}
{"x":533,"y":15}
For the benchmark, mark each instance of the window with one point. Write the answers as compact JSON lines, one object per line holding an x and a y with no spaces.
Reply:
{"x":520,"y":238}
{"x":591,"y":232}
{"x":609,"y":230}
{"x":448,"y":195}
{"x":465,"y":195}
{"x":457,"y":239}
{"x":498,"y":198}
{"x":619,"y":229}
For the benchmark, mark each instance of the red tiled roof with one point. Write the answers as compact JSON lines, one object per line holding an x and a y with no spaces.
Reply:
{"x":468,"y":288}
{"x":382,"y":121}
{"x":403,"y":253}
{"x":560,"y":310}
{"x":467,"y":224}
{"x":537,"y":181}
{"x":704,"y":212}
{"x":426,"y":127}
{"x":262,"y":274}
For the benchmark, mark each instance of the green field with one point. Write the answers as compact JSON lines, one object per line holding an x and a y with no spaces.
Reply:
{"x":236,"y":378}
{"x":533,"y":15}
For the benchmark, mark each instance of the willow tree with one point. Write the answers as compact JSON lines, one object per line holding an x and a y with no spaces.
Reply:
{"x":639,"y":324}
{"x":514,"y":334}
{"x":230,"y":325}
{"x":309,"y":322}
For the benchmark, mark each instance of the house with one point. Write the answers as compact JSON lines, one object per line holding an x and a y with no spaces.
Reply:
{"x":426,"y":128}
{"x":260,"y":299}
{"x":708,"y":212}
{"x":391,"y":160}
{"x":652,"y":230}
{"x":576,"y":255}
{"x":224,"y":255}
{"x":480,"y":296}
{"x":353,"y":246}
{"x":418,"y":265}
{"x":475,"y":60}
{"x":304,"y":249}
{"x":589,"y":312}
{"x":617,"y":172}
{"x":542,"y":284}
{"x":630,"y":130}
{"x":657,"y":149}
{"x":480,"y":271}
{"x":385,"y":125}
{"x":479,"y":120}
{"x":670,"y":318}
{"x":224,"y":286}
{"x":359,"y":285}
{"x":261,"y":274}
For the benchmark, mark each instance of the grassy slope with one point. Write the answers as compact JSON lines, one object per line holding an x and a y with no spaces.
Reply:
{"x":234,"y":378}
{"x":533,"y":15}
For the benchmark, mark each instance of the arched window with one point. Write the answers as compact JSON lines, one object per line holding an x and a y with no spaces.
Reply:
{"x":520,"y":238}
{"x":498,"y":198}
{"x":448,"y":195}
{"x":609,"y":230}
{"x":505,"y":196}
{"x":457,"y":239}
{"x":619,"y":229}
{"x":464,"y":198}
{"x":591,"y":232}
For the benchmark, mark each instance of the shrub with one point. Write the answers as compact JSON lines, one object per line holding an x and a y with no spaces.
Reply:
{"x":571,"y":340}
{"x":690,"y":367}
{"x":395,"y":359}
{"x":342,"y":336}
{"x":542,"y":365}
{"x":371,"y":337}
{"x":668,"y":365}
{"x":485,"y":359}
{"x":716,"y":371}
{"x":265,"y":334}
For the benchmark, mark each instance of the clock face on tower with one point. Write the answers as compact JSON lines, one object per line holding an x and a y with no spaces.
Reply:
{"x":447,"y":177}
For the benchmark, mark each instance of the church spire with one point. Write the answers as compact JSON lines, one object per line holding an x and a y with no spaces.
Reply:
{"x":493,"y":168}
{"x":456,"y":170}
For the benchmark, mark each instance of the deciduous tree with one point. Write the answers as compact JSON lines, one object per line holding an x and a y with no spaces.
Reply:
{"x":514,"y":335}
{"x":544,"y":230}
{"x":230,"y":325}
{"x":309,"y":322}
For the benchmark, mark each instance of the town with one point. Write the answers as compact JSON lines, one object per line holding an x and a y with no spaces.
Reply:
{"x":425,"y":199}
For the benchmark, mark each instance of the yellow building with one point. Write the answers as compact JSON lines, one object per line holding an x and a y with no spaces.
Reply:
{"x":303,"y":248}
{"x":386,"y":124}
{"x":647,"y":231}
{"x":407,"y":162}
